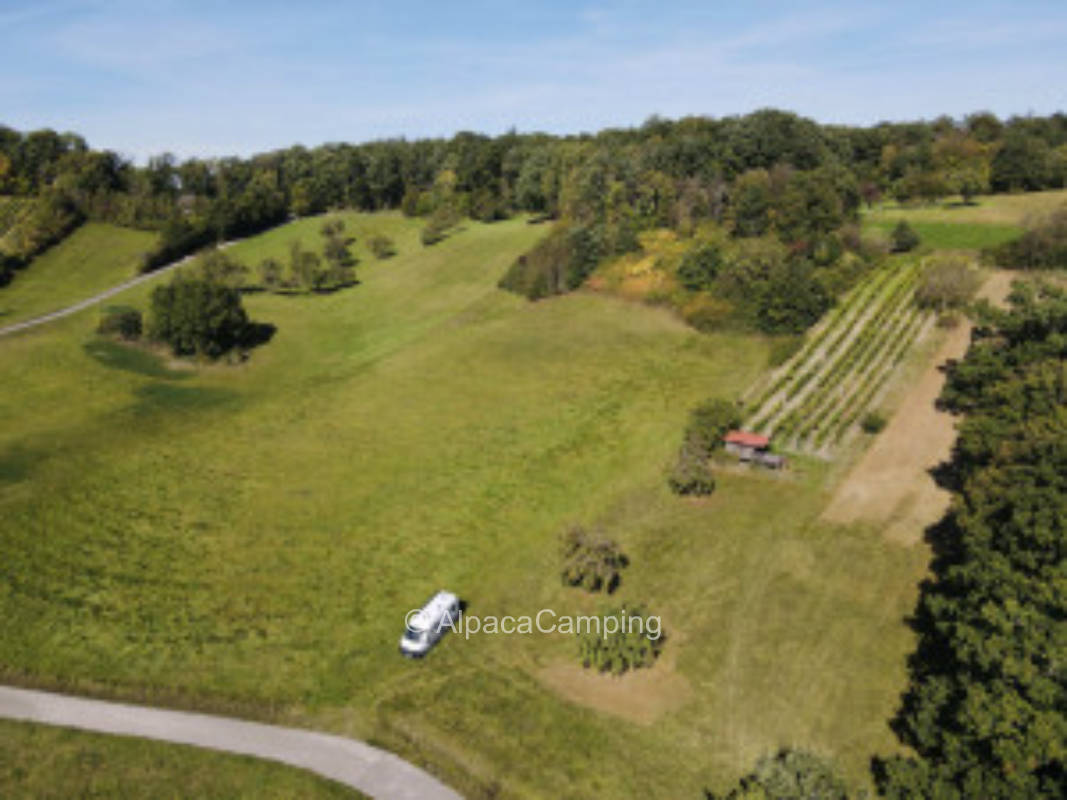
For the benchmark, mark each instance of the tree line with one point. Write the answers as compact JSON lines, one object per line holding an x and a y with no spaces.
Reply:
{"x":770,"y":168}
{"x":983,"y":715}
{"x":984,"y":712}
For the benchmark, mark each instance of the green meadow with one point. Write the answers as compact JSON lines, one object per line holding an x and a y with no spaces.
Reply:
{"x":93,"y":258}
{"x":987,"y":221}
{"x":953,"y":235}
{"x":67,"y":763}
{"x":247,"y":538}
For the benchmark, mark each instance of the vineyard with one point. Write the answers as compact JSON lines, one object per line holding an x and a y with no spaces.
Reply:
{"x":815,"y":399}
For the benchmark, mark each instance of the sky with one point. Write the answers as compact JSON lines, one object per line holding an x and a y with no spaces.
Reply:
{"x":232,"y":77}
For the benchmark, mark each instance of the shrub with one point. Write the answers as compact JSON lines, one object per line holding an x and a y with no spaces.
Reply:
{"x":382,"y":246}
{"x":270,"y":273}
{"x":559,"y":263}
{"x":691,"y":474}
{"x":332,"y":227}
{"x":827,"y":250}
{"x":903,"y":239}
{"x":1044,"y":246}
{"x":874,"y":246}
{"x":707,"y":313}
{"x":409,"y":205}
{"x":699,"y":267}
{"x":340,"y":270}
{"x":873,"y":422}
{"x":195,"y":316}
{"x":121,"y":321}
{"x":590,"y":561}
{"x":792,"y":301}
{"x":217,"y":266}
{"x":948,"y":282}
{"x":709,"y":422}
{"x":789,"y":775}
{"x":431,"y":233}
{"x":621,"y":639}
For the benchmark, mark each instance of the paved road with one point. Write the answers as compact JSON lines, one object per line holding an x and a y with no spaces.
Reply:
{"x":365,"y":768}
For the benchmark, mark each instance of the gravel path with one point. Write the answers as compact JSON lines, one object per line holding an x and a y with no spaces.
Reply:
{"x":369,"y":770}
{"x":104,"y":295}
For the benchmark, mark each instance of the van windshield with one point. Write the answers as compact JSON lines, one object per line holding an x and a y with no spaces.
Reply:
{"x":413,"y":635}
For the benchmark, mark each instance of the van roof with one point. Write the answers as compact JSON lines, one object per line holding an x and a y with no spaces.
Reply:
{"x":434,"y":610}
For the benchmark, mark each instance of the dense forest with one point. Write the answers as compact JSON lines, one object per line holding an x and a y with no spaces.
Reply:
{"x":767,"y":173}
{"x":985,"y":708}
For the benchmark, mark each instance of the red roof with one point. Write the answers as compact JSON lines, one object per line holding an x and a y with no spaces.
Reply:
{"x":746,"y":439}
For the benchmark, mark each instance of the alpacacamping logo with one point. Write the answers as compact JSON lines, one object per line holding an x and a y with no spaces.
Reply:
{"x":544,"y":621}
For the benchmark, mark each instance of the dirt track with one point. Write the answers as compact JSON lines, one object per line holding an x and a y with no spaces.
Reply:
{"x":891,"y":484}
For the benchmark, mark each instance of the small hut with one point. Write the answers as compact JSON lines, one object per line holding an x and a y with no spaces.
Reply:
{"x":752,"y":447}
{"x":745,"y":445}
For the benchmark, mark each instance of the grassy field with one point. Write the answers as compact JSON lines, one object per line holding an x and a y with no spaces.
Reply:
{"x":990,"y":220}
{"x":249,"y":538}
{"x":998,"y":209}
{"x":39,"y":762}
{"x":952,"y":235}
{"x":90,"y":260}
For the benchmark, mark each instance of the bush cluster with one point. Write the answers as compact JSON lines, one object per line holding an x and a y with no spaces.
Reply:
{"x":873,"y":422}
{"x":307,"y":271}
{"x":122,"y":321}
{"x":382,"y":246}
{"x":1044,"y":246}
{"x":708,"y":423}
{"x":196,"y":317}
{"x":903,"y":239}
{"x":625,"y":639}
{"x":559,"y":263}
{"x":592,"y":562}
{"x":789,"y":775}
{"x":948,"y":282}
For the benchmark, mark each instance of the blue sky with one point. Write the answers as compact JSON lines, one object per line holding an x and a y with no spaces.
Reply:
{"x":217,"y":78}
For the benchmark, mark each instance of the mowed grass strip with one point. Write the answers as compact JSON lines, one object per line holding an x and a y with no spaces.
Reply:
{"x":986,"y":222}
{"x":251,"y":537}
{"x":40,"y":762}
{"x":954,"y":235}
{"x":994,"y":209}
{"x":93,"y":258}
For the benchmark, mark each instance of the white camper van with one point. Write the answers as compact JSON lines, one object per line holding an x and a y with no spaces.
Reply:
{"x":427,"y":625}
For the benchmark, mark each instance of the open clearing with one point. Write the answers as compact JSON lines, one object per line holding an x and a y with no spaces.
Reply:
{"x":988,"y":221}
{"x":892,"y":485}
{"x":993,"y":210}
{"x":248,"y":539}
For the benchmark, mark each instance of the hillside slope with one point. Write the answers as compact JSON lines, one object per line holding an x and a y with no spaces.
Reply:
{"x":249,"y":538}
{"x":94,"y":257}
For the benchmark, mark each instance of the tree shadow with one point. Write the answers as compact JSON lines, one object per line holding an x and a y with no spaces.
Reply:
{"x":256,"y":334}
{"x":335,"y":288}
{"x":616,"y":579}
